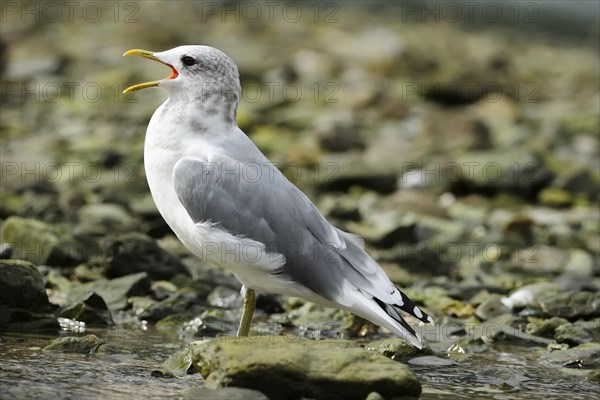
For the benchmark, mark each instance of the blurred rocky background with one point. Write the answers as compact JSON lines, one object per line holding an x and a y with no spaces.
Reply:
{"x":460,"y":139}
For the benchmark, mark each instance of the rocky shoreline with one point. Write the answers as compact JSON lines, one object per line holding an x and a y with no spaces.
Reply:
{"x":468,"y":161}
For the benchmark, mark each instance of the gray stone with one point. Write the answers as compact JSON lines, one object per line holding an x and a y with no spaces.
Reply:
{"x":570,"y":304}
{"x":491,"y":308}
{"x":131,"y":253}
{"x":396,"y":349}
{"x":85,"y":344}
{"x":578,"y":332}
{"x":548,"y":327}
{"x":182,"y":302}
{"x":40,"y":243}
{"x":102,"y":218}
{"x":431,"y":361}
{"x":583,"y":356}
{"x":24,"y":305}
{"x":291,"y":368}
{"x":22,"y":286}
{"x":115,"y":292}
{"x":91,"y":309}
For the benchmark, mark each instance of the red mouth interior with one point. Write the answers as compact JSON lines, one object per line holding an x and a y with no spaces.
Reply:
{"x":174,"y":74}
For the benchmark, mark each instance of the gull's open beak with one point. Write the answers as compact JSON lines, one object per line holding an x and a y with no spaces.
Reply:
{"x":149,"y":55}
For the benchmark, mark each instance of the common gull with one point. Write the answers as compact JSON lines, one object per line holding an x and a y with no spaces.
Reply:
{"x":231,"y":207}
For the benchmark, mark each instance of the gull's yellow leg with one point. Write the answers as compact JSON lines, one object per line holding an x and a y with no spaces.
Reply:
{"x":247,"y":313}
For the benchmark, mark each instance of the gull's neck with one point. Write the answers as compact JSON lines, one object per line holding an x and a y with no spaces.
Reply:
{"x":218,"y":108}
{"x":184,"y":124}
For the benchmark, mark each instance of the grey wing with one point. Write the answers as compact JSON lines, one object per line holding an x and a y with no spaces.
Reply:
{"x":258,"y":202}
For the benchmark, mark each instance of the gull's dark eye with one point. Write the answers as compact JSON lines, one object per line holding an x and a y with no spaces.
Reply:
{"x":188,"y":61}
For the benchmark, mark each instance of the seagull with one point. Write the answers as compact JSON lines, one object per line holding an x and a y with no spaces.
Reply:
{"x":231,"y":207}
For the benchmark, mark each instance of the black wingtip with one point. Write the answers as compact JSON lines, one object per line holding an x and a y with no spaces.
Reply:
{"x":411,"y":308}
{"x":391,"y":311}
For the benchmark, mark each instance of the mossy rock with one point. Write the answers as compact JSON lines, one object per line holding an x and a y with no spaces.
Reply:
{"x":85,"y":345}
{"x":287,"y":367}
{"x":40,"y":243}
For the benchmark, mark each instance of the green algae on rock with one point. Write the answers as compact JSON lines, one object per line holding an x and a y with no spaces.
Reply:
{"x":40,"y":243}
{"x":86,"y":344}
{"x":287,"y":367}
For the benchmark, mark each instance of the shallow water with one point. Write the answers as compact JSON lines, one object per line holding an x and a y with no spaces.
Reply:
{"x":29,"y":372}
{"x":505,"y":372}
{"x":502,"y":372}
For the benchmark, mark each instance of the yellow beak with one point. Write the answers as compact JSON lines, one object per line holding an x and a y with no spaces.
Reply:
{"x":149,"y":55}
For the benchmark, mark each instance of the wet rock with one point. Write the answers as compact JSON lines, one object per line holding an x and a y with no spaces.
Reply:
{"x":491,"y":308}
{"x":354,"y":326}
{"x":547,"y":327}
{"x":583,"y":356}
{"x":115,"y":292}
{"x":181,"y":302}
{"x":24,"y":303}
{"x":290,"y":368}
{"x":518,"y":170}
{"x":578,"y":332}
{"x":178,"y":364}
{"x":506,"y":328}
{"x":210,"y":324}
{"x":22,"y":320}
{"x":103,"y":218}
{"x":40,"y":243}
{"x":228,"y":393}
{"x":22,"y":286}
{"x":173,"y":323}
{"x":432,"y":361}
{"x":396,"y":349}
{"x":89,"y":344}
{"x":570,"y":305}
{"x":91,"y":309}
{"x":594,"y":376}
{"x":131,"y":253}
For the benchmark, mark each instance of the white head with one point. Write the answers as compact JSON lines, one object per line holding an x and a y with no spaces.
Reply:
{"x":200,"y":74}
